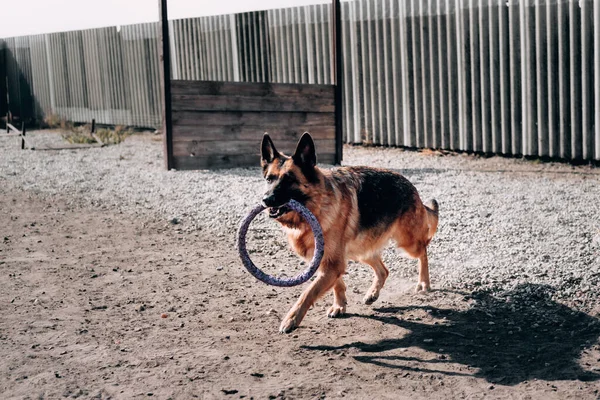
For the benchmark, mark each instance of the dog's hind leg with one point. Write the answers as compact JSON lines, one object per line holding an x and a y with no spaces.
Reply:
{"x":339,"y":299}
{"x":424,"y":285}
{"x":381,"y":274}
{"x":419,"y":251}
{"x":432,"y":207}
{"x":413,"y":233}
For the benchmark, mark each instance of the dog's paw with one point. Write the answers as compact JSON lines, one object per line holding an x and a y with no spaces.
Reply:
{"x":336,"y":311}
{"x":288,"y":324}
{"x":422,"y":287}
{"x":370,"y":298}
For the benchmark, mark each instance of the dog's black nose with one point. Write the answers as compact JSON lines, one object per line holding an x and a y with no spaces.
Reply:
{"x":269,"y":200}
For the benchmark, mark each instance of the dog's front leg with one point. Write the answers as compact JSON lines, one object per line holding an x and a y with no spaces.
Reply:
{"x":339,"y":299}
{"x":325,"y":281}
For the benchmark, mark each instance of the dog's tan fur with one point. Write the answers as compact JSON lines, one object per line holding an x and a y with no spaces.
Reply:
{"x":332,"y":196}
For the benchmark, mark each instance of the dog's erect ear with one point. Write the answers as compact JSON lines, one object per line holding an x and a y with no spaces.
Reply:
{"x":305,"y":154}
{"x":268,"y":151}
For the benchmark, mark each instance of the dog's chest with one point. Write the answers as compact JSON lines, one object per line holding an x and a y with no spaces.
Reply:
{"x":302,"y":242}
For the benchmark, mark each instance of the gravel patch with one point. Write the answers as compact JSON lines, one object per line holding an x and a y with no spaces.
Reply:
{"x":503,"y":222}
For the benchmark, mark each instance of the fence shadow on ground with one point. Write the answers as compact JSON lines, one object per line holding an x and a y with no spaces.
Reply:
{"x":519,"y":336}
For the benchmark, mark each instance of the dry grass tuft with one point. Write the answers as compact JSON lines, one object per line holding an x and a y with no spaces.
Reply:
{"x":83,"y":134}
{"x":114,"y":136}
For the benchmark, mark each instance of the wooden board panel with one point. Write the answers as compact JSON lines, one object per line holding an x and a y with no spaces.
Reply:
{"x":229,"y":161}
{"x":216,"y":161}
{"x":182,"y":87}
{"x":249,"y":132}
{"x":224,"y":147}
{"x":220,"y":124}
{"x":251,"y":103}
{"x":267,"y":120}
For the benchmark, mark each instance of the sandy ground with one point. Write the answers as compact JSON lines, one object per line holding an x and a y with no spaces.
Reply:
{"x":99,"y":303}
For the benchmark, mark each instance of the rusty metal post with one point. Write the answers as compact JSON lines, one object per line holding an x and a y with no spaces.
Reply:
{"x":23,"y":136}
{"x":8,"y":121}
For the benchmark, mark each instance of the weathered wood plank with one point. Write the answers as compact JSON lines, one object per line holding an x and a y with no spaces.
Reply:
{"x":225,"y":147}
{"x":267,"y":120}
{"x":248,"y":132}
{"x":182,"y":87}
{"x":230,"y":161}
{"x":215,"y":161}
{"x":220,"y":124}
{"x":251,"y":103}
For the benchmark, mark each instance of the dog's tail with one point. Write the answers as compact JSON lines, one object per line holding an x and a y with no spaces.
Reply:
{"x":432,"y":208}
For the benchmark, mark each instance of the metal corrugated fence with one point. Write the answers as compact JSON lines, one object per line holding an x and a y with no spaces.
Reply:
{"x":502,"y":76}
{"x":512,"y":77}
{"x":108,"y":74}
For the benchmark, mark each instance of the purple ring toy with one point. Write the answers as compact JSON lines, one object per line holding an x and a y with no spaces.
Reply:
{"x":283,"y":282}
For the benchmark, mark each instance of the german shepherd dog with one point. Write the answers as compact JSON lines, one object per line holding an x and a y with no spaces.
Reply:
{"x":360,"y":210}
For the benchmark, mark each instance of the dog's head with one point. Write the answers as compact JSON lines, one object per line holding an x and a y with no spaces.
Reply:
{"x":288,"y":177}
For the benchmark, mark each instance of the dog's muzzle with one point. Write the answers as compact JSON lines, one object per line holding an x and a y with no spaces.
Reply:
{"x":276,"y":212}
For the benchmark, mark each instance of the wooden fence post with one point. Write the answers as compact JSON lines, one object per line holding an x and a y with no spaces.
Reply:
{"x":165,"y":82}
{"x":336,"y":34}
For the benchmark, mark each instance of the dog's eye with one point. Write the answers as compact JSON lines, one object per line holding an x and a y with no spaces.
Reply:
{"x":271,"y":178}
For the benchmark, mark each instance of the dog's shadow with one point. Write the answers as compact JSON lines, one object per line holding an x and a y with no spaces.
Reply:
{"x":510,"y":339}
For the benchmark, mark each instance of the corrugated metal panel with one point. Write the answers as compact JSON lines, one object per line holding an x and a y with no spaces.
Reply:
{"x":516,"y":77}
{"x":510,"y":77}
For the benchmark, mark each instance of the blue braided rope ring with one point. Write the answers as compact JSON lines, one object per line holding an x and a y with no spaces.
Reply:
{"x":283,"y":282}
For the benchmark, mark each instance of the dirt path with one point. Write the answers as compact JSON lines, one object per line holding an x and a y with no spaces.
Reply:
{"x":84,"y":291}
